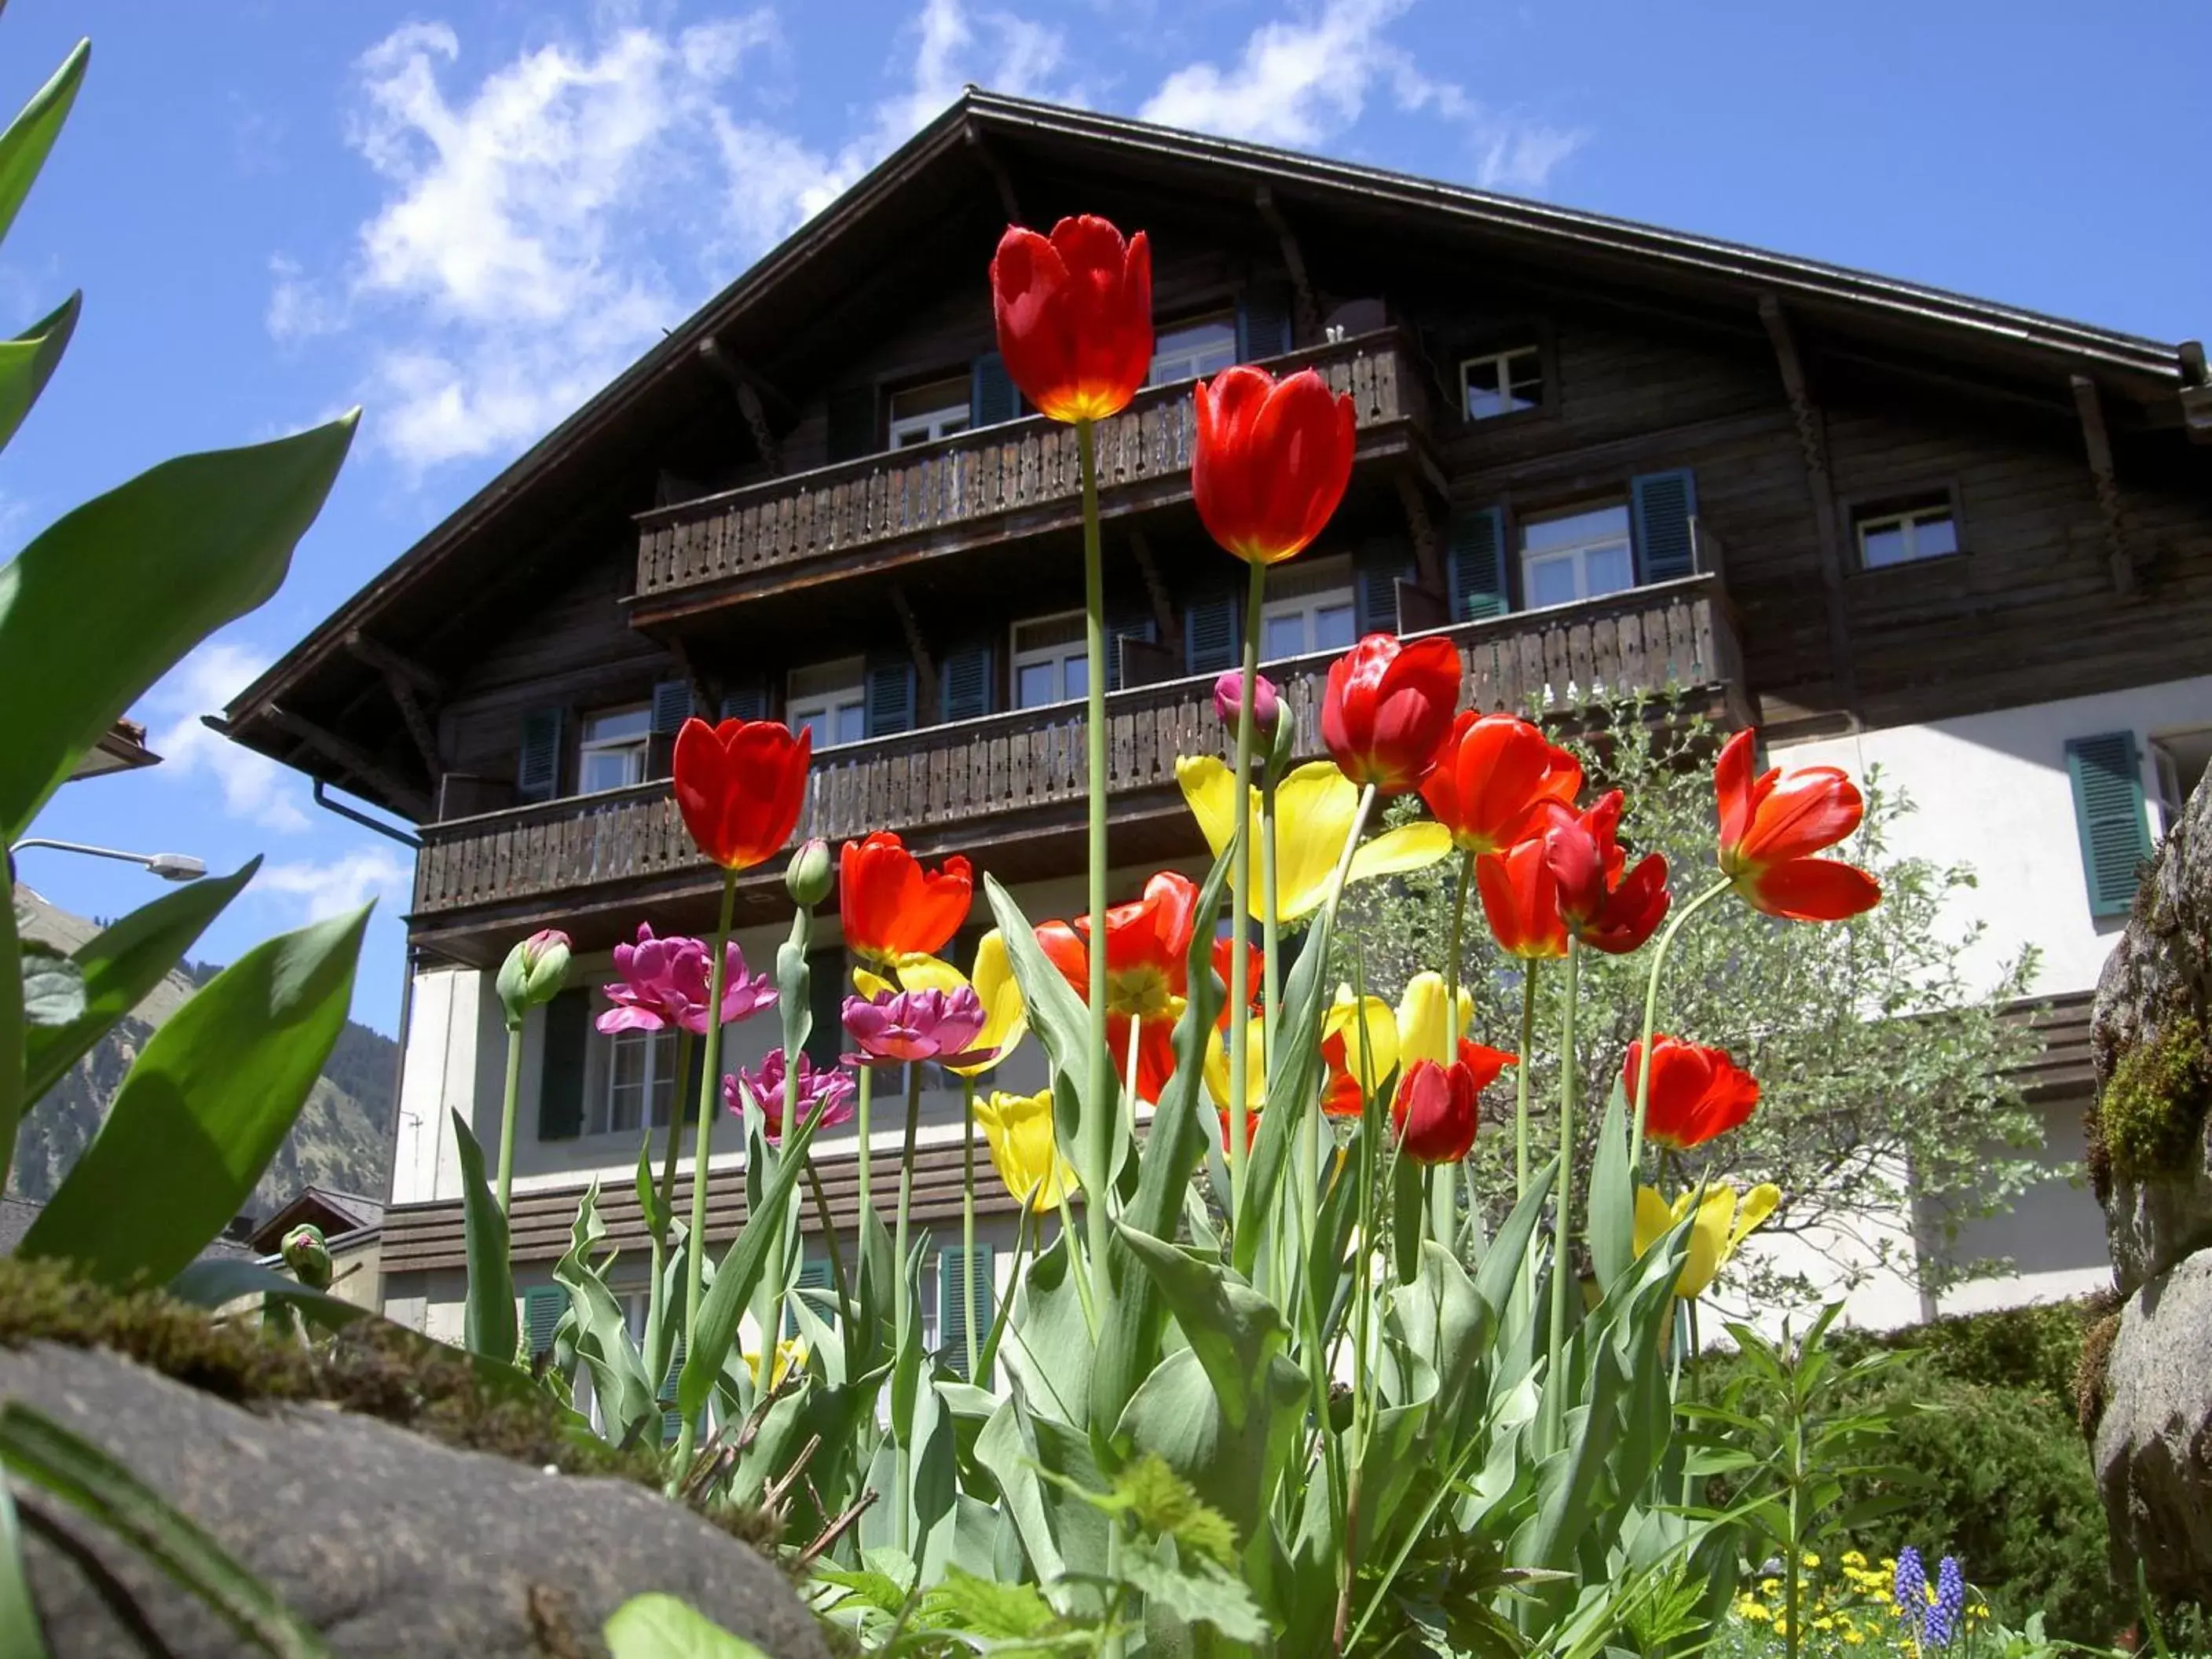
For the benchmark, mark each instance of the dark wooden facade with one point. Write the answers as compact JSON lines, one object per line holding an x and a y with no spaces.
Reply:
{"x":722,"y":516}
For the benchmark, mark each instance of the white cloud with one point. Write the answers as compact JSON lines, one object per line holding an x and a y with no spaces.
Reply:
{"x":254,"y":787}
{"x":332,"y":888}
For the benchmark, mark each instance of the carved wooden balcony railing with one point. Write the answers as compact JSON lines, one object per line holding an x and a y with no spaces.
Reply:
{"x":937,"y":490}
{"x":1678,"y":634}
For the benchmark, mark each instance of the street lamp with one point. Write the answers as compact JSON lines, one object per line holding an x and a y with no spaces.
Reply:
{"x":170,"y":866}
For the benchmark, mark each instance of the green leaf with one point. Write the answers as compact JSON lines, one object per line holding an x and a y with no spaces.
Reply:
{"x":121,"y":964}
{"x":657,"y":1626}
{"x":986,"y":1607}
{"x":487,"y":1324}
{"x":1060,"y":1019}
{"x":1293,"y":1089}
{"x":620,"y":1384}
{"x":29,"y":361}
{"x":205,"y":1107}
{"x":1204,"y":1592}
{"x":1161,"y":1501}
{"x":82,"y":1475}
{"x":24,"y":147}
{"x":1611,"y":1193}
{"x":53,"y":988}
{"x":106,"y":601}
{"x":11,"y":1035}
{"x":222,"y":1279}
{"x":1502,"y":1262}
{"x":19,"y":1620}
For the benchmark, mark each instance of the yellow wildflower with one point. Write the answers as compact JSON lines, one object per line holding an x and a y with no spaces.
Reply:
{"x":1770,"y":1587}
{"x":1853,"y":1638}
{"x":1809,"y":1559}
{"x":1853,"y":1558}
{"x":1824,"y":1624}
{"x":1755,"y":1611}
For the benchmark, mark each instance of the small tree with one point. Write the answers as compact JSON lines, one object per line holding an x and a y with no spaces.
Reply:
{"x":1886,"y":1077}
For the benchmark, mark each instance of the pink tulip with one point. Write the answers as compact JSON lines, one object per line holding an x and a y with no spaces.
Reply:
{"x":665,"y":983}
{"x":828,"y":1088}
{"x":1266,"y":702}
{"x":898,"y":1026}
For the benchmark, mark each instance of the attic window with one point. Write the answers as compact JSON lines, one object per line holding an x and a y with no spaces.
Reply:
{"x":1902,"y":532}
{"x":1502,"y":382}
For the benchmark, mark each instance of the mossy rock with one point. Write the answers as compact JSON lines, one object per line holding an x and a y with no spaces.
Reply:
{"x":2151,"y":1114}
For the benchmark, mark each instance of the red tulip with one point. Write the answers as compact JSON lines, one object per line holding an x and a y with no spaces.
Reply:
{"x":1772,"y":823}
{"x":1438,"y":1109}
{"x":1386,"y":708}
{"x":1696,"y":1092}
{"x":1147,"y":947}
{"x":1600,"y":906}
{"x":1521,"y":899}
{"x":1497,"y":775}
{"x":891,"y":906}
{"x":1273,"y":460}
{"x":739,"y":785}
{"x":1075,"y":316}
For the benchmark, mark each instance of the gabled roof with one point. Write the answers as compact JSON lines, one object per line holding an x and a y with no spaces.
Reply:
{"x":943,"y":159}
{"x":337,"y":1213}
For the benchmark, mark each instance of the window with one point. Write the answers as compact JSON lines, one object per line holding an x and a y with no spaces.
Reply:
{"x":1579,"y":554}
{"x":1901,"y":532}
{"x":828,"y":701}
{"x":2180,"y":760}
{"x":1049,"y":665}
{"x":925,"y":412}
{"x":612,"y":753}
{"x":1502,"y":383}
{"x":641,"y":1077}
{"x":1186,"y":350}
{"x":1310,"y":608}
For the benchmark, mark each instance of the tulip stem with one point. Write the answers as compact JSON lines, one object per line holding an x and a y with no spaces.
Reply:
{"x":861,"y":1111}
{"x":506,"y":1114}
{"x":1098,"y":1112}
{"x":656,"y":1298}
{"x":1240,"y":881}
{"x":968,"y":1218}
{"x":904,"y":1323}
{"x":683,"y":1040}
{"x":1555,"y":1388}
{"x":1271,"y":929}
{"x":710,"y":1079}
{"x":1651,"y":1020}
{"x":1443,"y":1217}
{"x":1521,"y":1079}
{"x":1363,"y":1295}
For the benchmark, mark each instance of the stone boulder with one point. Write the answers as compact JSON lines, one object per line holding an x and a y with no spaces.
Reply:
{"x":385,"y":1541}
{"x":2153,"y":1449}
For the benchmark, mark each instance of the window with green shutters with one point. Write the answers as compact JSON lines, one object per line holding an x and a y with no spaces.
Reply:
{"x":814,"y":1275}
{"x":952,"y":1304}
{"x":542,"y":1307}
{"x":970,"y":681}
{"x":2107,"y":772}
{"x":538,"y":766}
{"x":561,"y":1070}
{"x":1475,"y":564}
{"x":1210,"y":635}
{"x":671,"y":1421}
{"x":1666,"y":508}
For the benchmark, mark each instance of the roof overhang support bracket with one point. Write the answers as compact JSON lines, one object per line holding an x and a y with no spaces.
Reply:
{"x":1421,"y":532}
{"x":925,"y":671}
{"x":403,"y":678}
{"x":1165,"y":616}
{"x":2098,"y":442}
{"x":1001,"y":180}
{"x":744,"y":387}
{"x":703,"y":696}
{"x":1307,"y":313}
{"x":1813,"y":450}
{"x":409,"y":798}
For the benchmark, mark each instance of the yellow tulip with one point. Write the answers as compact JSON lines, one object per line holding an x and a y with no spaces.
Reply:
{"x":1720,"y":1227}
{"x":790,"y":1358}
{"x":1004,"y":1020}
{"x":1217,"y":1068}
{"x":1018,"y":1128}
{"x":1417,"y":1029}
{"x":1315,"y":807}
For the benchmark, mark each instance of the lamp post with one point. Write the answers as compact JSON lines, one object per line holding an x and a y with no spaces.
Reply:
{"x":170,"y":866}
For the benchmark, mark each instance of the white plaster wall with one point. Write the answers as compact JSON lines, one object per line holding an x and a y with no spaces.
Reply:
{"x":1992,"y":791}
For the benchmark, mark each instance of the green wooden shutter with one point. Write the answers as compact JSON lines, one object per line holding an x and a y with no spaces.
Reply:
{"x":1664,"y":503}
{"x":542,"y":1307}
{"x":889,"y":692}
{"x":853,"y":423}
{"x":746,"y":702}
{"x":826,"y":1002}
{"x":813,"y":1275}
{"x":1475,"y":565}
{"x":968,"y":676}
{"x":671,"y":707}
{"x":671,"y":1421}
{"x":538,"y":771}
{"x":1210,"y":633}
{"x":991,"y":395}
{"x":952,"y":1306}
{"x":561,"y":1073}
{"x":2108,"y":811}
{"x":1263,"y":323}
{"x":1377,"y":571}
{"x":1119,"y":628}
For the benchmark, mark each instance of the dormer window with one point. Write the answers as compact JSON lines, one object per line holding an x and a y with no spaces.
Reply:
{"x":1196,"y":348}
{"x":1902,"y":532}
{"x":923,"y":414}
{"x":1502,"y":382}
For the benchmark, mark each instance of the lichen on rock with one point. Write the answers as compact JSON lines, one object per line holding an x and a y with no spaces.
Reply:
{"x":2151,"y":1114}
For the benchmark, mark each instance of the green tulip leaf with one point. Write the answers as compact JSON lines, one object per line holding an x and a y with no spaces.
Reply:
{"x":53,"y":990}
{"x":1611,"y":1193}
{"x":28,"y":361}
{"x":19,"y":1618}
{"x":620,"y":1385}
{"x":30,"y":136}
{"x":11,"y":1035}
{"x":658,"y":1627}
{"x":204,"y":1108}
{"x":488,"y":1320}
{"x":121,"y":964}
{"x":1293,"y":1089}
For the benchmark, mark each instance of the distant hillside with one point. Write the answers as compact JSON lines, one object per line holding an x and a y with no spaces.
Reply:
{"x":343,"y":1138}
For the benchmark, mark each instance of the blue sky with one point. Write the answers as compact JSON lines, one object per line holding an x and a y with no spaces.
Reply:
{"x":467,"y":217}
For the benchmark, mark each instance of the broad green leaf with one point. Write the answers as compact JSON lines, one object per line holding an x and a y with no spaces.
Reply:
{"x":657,"y":1626}
{"x":204,"y":1108}
{"x":107,"y":600}
{"x":30,"y":136}
{"x":1293,"y":1089}
{"x":489,"y":1319}
{"x":1048,"y":1350}
{"x":1611,"y":1193}
{"x":985,"y":1607}
{"x":27,"y":362}
{"x":1061,"y":1020}
{"x":1201,"y":1591}
{"x":19,"y":1618}
{"x":1501,"y":1264}
{"x":619,"y":1382}
{"x":121,"y":964}
{"x":11,"y":1036}
{"x":222,"y":1279}
{"x":1445,"y":1323}
{"x":36,"y":1448}
{"x":54,"y":989}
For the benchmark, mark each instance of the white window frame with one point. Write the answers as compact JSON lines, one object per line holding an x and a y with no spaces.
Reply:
{"x":826,"y":706}
{"x":1307,"y":606}
{"x":1502,"y":362}
{"x":635,"y":749}
{"x":1909,"y":520}
{"x":926,"y":426}
{"x":1190,"y":364}
{"x":1579,"y":551}
{"x":660,"y":1047}
{"x":2171,"y":795}
{"x":1057,"y":655}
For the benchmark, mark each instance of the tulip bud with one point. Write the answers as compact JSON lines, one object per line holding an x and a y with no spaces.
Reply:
{"x":533,"y":973}
{"x":807,"y":877}
{"x":308,"y":1256}
{"x":1266,"y":704}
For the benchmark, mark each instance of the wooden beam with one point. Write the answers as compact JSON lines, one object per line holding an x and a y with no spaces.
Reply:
{"x":1813,"y":450}
{"x":1302,"y":293}
{"x":704,"y":693}
{"x":744,"y":388}
{"x":379,"y":656}
{"x":354,"y":759}
{"x":925,"y":671}
{"x":418,"y":727}
{"x":1421,"y":530}
{"x":1165,"y":614}
{"x":2099,"y":444}
{"x":1001,"y":181}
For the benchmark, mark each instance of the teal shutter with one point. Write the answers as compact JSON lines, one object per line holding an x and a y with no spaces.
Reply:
{"x":2108,"y":811}
{"x":1663,"y":505}
{"x":991,"y":395}
{"x":969,"y":679}
{"x":1263,"y":324}
{"x":745,"y":702}
{"x":952,"y":1305}
{"x":852,"y":424}
{"x":561,"y":1073}
{"x":1475,"y":566}
{"x":1376,"y":573}
{"x":542,"y":1307}
{"x":1209,"y":635}
{"x":672,"y":1421}
{"x":825,"y":1003}
{"x":538,"y":771}
{"x":671,"y":707}
{"x":1118,"y":629}
{"x":813,"y":1275}
{"x":890,"y":691}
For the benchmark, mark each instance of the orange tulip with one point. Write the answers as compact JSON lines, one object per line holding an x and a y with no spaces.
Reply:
{"x":1438,"y":1109}
{"x":1770,"y":826}
{"x":1600,"y":906}
{"x":1495,"y":776}
{"x":740,"y":787}
{"x":1696,"y":1092}
{"x":1521,"y":900}
{"x":1147,"y":946}
{"x":1272,"y":461}
{"x":1387,"y":708}
{"x":891,"y":907}
{"x":1074,"y":311}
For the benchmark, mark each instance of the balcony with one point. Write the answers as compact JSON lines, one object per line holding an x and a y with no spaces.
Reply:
{"x":1021,"y":476}
{"x":1009,"y":788}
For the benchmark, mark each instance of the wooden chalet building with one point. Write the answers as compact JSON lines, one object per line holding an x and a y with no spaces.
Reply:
{"x":1890,"y":525}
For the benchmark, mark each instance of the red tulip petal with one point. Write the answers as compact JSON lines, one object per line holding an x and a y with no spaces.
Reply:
{"x":1813,"y":889}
